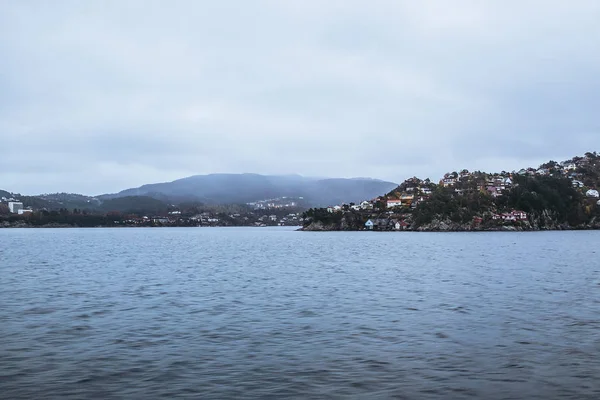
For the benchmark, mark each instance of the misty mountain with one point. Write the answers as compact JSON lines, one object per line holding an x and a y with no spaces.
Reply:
{"x":247,"y":188}
{"x":134,"y":204}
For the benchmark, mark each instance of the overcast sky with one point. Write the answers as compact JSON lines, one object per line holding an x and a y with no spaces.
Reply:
{"x":99,"y":96}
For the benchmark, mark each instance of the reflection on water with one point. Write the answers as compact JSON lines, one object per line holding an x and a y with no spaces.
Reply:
{"x":273,"y":313}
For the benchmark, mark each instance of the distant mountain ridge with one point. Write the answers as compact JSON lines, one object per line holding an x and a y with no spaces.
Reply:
{"x":247,"y":188}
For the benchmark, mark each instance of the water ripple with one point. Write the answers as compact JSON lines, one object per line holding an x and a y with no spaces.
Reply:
{"x":272,"y":313}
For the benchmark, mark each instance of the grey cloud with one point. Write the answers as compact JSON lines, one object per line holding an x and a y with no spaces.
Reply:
{"x":97,"y":97}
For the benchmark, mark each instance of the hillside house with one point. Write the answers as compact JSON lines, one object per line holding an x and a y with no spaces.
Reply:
{"x":407,"y":198}
{"x":379,"y":224}
{"x":366,"y":205}
{"x":513,"y":216}
{"x":446,"y":182}
{"x":383,"y":224}
{"x":577,"y":184}
{"x":508,"y":217}
{"x":519,"y":215}
{"x":394,"y":203}
{"x":498,"y":182}
{"x":592,"y":193}
{"x":416,"y":201}
{"x":494,"y":191}
{"x":400,"y":225}
{"x":15,"y":206}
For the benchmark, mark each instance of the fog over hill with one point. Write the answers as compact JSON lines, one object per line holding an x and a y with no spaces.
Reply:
{"x":246,"y":188}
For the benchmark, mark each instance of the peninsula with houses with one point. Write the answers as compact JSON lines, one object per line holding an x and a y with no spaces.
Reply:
{"x":554,"y":196}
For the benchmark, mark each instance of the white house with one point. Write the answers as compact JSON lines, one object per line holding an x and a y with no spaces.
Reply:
{"x":15,"y":206}
{"x":520,"y":215}
{"x":366,"y":205}
{"x":394,"y":203}
{"x":449,"y":182}
{"x":369,"y":225}
{"x":592,"y":193}
{"x":512,"y":216}
{"x":400,"y":225}
{"x":509,"y":217}
{"x":24,"y":211}
{"x":577,"y":183}
{"x":356,"y":207}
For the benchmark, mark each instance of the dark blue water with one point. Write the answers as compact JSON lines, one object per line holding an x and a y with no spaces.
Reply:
{"x":273,"y":313}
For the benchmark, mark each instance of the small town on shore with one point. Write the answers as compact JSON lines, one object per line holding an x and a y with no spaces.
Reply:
{"x":553,"y":196}
{"x":271,"y":212}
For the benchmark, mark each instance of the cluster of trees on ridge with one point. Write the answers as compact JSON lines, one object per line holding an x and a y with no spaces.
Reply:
{"x":554,"y":197}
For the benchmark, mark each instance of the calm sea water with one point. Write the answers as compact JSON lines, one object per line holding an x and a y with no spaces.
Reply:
{"x":273,"y":313}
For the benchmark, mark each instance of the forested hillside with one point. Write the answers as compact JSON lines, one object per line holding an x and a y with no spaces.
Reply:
{"x":553,"y":196}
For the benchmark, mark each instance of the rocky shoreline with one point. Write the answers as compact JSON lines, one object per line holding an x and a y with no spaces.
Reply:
{"x":445,"y":225}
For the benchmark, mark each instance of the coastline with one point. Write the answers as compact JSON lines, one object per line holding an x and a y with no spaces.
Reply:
{"x":454,"y":227}
{"x":505,"y":230}
{"x":67,"y":226}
